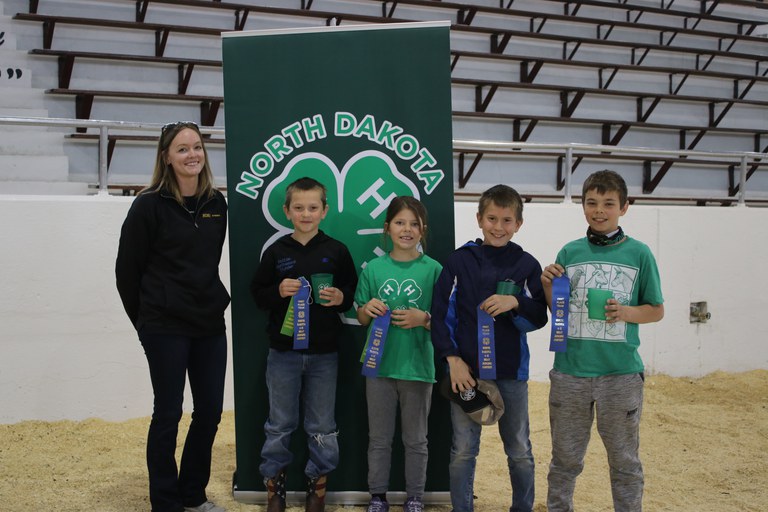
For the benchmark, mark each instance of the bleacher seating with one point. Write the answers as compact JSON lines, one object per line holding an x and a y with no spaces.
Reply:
{"x":590,"y":70}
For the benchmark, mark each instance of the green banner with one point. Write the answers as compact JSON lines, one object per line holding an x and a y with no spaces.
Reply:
{"x":366,"y":110}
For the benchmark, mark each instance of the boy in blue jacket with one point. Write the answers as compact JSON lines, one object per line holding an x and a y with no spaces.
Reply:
{"x":465,"y":307}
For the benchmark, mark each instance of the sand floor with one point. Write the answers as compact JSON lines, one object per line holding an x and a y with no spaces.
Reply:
{"x":704,"y":445}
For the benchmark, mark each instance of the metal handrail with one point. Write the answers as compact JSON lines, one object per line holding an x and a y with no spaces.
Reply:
{"x":743,"y":157}
{"x":103,"y":127}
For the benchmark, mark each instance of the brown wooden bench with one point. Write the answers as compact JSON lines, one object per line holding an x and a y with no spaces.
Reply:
{"x":709,"y":9}
{"x":163,"y":31}
{"x":500,"y":38}
{"x":632,"y":12}
{"x":465,"y":14}
{"x":66,"y":61}
{"x":570,"y":97}
{"x":523,"y":132}
{"x":209,"y":105}
{"x":113,"y":139}
{"x":612,"y":133}
{"x":651,"y":179}
{"x":530,"y":66}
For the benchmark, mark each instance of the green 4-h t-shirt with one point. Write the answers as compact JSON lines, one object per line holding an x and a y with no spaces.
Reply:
{"x":629,"y":270}
{"x":408,"y":353}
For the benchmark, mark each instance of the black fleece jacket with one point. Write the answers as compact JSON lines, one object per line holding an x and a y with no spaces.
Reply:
{"x":287,"y":258}
{"x":167,"y":267}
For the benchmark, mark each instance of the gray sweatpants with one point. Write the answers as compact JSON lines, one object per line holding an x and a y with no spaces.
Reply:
{"x":414,"y":397}
{"x":618,"y":400}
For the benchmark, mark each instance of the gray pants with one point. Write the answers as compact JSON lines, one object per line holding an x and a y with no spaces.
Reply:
{"x":618,"y":400}
{"x":415,"y":397}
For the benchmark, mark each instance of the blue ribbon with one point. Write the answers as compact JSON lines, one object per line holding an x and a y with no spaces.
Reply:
{"x":301,"y":316}
{"x":486,"y":345}
{"x":376,"y":338}
{"x":561,"y":293}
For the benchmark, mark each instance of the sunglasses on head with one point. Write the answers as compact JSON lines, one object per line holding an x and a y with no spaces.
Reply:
{"x":178,"y":124}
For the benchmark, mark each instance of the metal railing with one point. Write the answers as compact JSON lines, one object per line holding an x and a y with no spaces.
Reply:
{"x":103,"y":127}
{"x":743,"y":158}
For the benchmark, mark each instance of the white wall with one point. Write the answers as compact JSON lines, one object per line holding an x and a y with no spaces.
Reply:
{"x":67,"y":350}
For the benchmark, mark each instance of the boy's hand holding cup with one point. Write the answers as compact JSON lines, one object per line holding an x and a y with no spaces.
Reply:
{"x":323,"y":291}
{"x":597,"y":302}
{"x":503,"y":300}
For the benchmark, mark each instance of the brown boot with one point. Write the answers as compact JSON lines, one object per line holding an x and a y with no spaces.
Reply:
{"x":276,"y":493}
{"x":316,"y":494}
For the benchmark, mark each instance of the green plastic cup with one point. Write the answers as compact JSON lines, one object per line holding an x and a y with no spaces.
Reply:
{"x":319,"y":283}
{"x":596,"y":301}
{"x":507,"y":288}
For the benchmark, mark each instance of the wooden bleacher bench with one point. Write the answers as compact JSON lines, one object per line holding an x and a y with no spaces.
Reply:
{"x":66,"y":59}
{"x":209,"y":105}
{"x":114,"y":138}
{"x":498,"y":38}
{"x":531,"y":65}
{"x":651,"y":179}
{"x":632,"y":12}
{"x":161,"y":31}
{"x":609,"y":138}
{"x":570,"y":97}
{"x":465,"y":14}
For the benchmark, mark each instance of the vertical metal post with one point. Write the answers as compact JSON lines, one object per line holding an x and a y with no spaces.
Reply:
{"x":103,"y":143}
{"x":567,"y":175}
{"x":743,"y":181}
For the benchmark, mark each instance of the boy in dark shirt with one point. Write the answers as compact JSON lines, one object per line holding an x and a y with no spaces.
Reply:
{"x":306,"y":374}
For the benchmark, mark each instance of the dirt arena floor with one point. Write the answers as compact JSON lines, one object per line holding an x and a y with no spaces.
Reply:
{"x":704,"y":445}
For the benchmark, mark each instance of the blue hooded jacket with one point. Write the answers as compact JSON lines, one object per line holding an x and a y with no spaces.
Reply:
{"x":468,"y":278}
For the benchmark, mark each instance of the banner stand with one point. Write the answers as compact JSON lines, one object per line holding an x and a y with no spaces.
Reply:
{"x":366,"y":111}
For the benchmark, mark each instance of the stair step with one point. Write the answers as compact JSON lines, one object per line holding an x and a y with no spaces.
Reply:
{"x":44,"y":188}
{"x":21,"y":140}
{"x":13,"y":96}
{"x":34,"y":167}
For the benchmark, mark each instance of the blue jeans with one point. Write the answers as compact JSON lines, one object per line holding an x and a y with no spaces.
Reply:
{"x":515,"y":435}
{"x":171,"y":359}
{"x":295,"y":378}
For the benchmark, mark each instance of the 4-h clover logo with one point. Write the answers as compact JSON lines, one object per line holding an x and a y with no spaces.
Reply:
{"x":400,"y":295}
{"x":358,"y":196}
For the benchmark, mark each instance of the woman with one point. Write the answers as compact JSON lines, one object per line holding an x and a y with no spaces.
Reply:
{"x":168,"y":277}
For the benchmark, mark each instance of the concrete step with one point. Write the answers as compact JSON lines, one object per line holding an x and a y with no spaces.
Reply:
{"x":7,"y":35}
{"x":23,"y":112}
{"x":12,"y":96}
{"x":34,"y":168}
{"x":21,"y":140}
{"x":44,"y":188}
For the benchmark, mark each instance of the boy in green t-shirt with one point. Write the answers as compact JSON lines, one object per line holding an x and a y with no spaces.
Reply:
{"x":601,"y":371}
